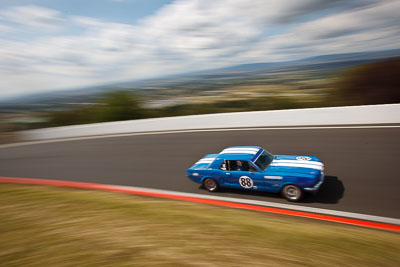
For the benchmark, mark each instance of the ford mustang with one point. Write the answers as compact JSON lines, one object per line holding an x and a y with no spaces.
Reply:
{"x":254,"y":168}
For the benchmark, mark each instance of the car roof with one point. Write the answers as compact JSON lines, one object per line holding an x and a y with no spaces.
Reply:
{"x":239,"y":152}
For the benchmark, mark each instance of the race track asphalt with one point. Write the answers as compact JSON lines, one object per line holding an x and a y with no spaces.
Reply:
{"x":361,"y":165}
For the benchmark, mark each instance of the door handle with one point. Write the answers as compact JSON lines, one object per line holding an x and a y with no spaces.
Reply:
{"x":227,"y":173}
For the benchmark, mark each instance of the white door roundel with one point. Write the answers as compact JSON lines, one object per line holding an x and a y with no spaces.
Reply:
{"x":246,"y":182}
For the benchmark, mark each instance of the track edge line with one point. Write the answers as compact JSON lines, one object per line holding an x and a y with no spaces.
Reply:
{"x":203,"y":200}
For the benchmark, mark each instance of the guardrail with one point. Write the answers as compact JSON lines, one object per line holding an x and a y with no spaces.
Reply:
{"x":352,"y":115}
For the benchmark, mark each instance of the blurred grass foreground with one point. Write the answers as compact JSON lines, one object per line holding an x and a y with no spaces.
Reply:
{"x":48,"y":226}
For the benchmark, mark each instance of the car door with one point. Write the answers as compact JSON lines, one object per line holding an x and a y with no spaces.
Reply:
{"x":243,"y":179}
{"x":223,"y":175}
{"x":227,"y":173}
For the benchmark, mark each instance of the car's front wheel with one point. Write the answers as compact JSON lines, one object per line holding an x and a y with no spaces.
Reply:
{"x":292,"y":192}
{"x":210,"y":184}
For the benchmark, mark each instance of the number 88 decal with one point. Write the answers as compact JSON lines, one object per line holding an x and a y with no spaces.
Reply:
{"x":246,"y":182}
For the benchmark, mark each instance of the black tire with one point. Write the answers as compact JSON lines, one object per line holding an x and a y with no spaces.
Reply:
{"x":210,"y":184}
{"x":292,"y":192}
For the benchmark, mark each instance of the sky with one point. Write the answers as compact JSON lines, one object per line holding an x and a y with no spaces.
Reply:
{"x":48,"y":45}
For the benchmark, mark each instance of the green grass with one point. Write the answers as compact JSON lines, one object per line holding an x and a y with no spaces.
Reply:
{"x":48,"y":226}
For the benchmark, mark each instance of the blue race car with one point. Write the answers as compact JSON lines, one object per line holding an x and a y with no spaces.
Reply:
{"x":253,"y":168}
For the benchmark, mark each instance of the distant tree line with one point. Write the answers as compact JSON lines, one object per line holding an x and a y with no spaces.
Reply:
{"x":114,"y":106}
{"x":368,"y":84}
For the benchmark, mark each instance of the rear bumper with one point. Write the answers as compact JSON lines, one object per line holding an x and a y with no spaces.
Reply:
{"x":316,"y":187}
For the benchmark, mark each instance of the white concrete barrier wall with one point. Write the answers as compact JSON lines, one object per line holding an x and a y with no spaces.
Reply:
{"x":353,"y":115}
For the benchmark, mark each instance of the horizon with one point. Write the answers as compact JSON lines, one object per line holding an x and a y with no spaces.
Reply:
{"x":394,"y":54}
{"x":50,"y":46}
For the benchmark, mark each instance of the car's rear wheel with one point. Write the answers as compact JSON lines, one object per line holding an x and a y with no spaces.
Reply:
{"x":292,"y":192}
{"x":210,"y":184}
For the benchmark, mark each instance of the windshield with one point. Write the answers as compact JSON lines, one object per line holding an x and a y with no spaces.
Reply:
{"x":264,"y":160}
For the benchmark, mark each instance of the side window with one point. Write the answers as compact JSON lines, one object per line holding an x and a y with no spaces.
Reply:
{"x":237,"y":165}
{"x":231,"y":165}
{"x":223,"y":166}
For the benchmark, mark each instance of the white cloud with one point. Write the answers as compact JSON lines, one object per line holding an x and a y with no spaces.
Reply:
{"x":220,"y":27}
{"x":32,"y":16}
{"x":4,"y":28}
{"x":377,"y":17}
{"x":184,"y":36}
{"x":372,"y":28}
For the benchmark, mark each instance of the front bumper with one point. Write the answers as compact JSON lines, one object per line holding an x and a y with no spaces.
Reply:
{"x":316,"y":187}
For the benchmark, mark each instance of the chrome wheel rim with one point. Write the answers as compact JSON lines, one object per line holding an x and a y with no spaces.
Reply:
{"x":292,"y":192}
{"x":210,"y":184}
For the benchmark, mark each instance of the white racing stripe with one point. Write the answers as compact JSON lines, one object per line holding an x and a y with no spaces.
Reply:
{"x":309,"y":166}
{"x":240,"y":151}
{"x":205,"y":160}
{"x":243,"y":148}
{"x":298,"y":162}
